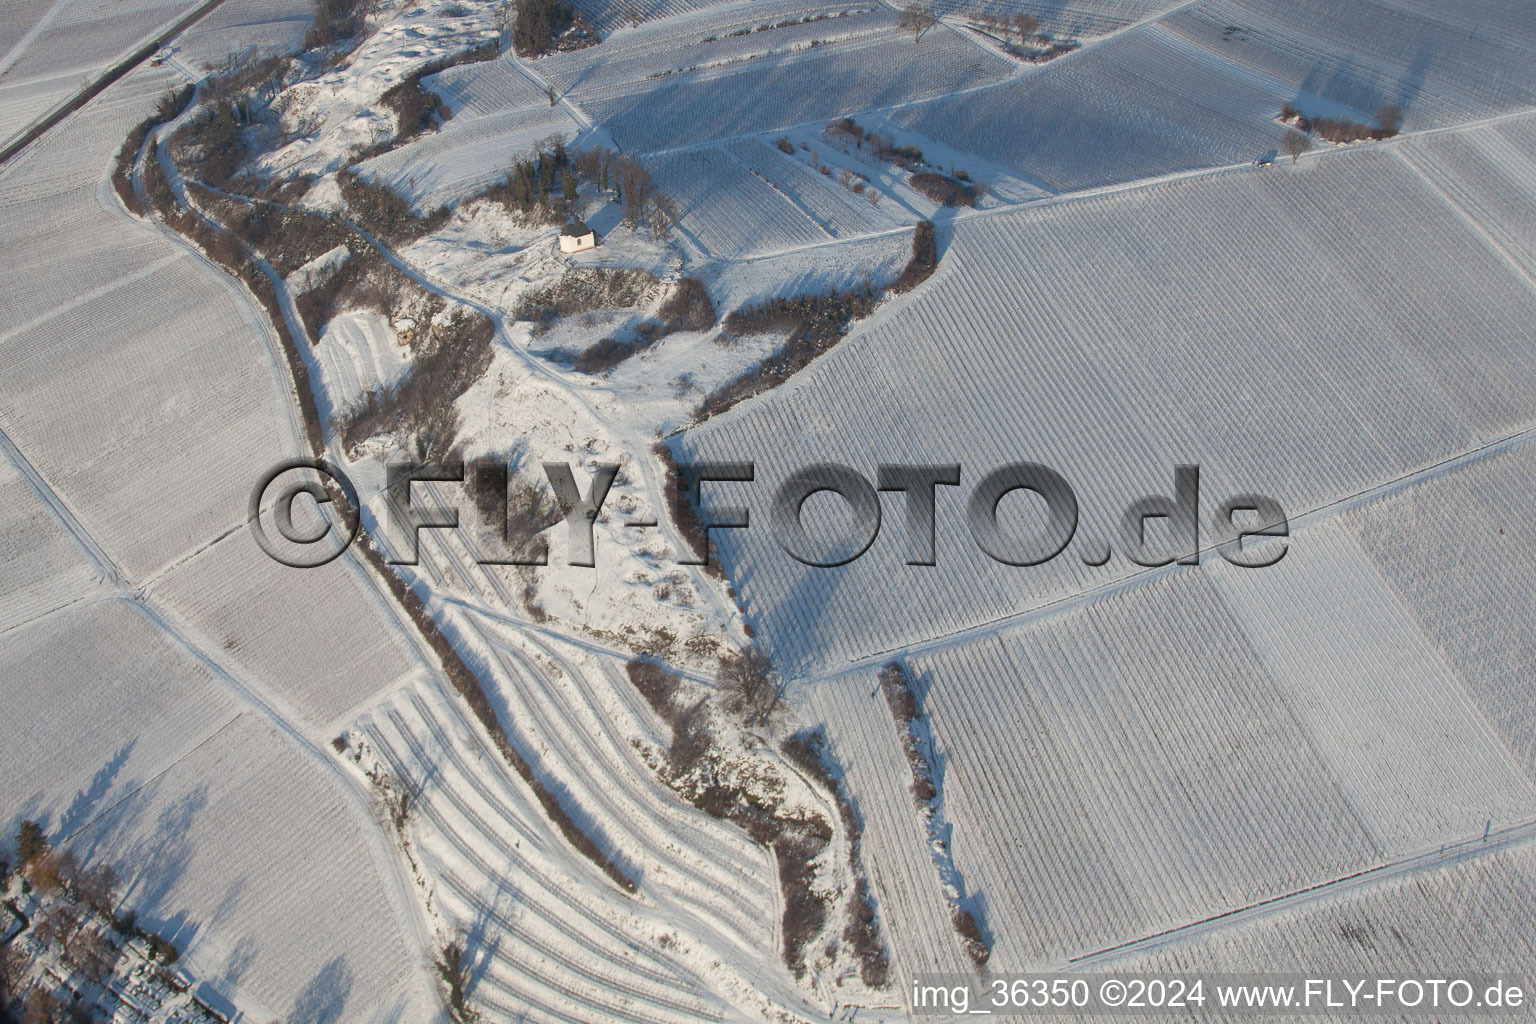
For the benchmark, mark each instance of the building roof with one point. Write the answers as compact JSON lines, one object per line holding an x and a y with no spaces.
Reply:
{"x":575,"y":229}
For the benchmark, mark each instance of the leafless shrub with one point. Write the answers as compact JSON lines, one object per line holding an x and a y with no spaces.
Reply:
{"x":815,"y":323}
{"x":750,"y":687}
{"x":917,"y":18}
{"x":970,"y":933}
{"x":807,"y":750}
{"x":421,"y":406}
{"x":924,"y":260}
{"x":688,"y":308}
{"x":453,"y":967}
{"x":584,"y":290}
{"x":1294,"y":144}
{"x":942,"y":189}
{"x":805,"y":915}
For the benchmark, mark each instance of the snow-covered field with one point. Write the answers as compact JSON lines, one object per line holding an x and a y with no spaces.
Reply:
{"x":1103,"y":765}
{"x":1147,"y":293}
{"x":143,"y":401}
{"x":1123,"y":756}
{"x":1201,"y":87}
{"x":728,"y":210}
{"x":770,"y":92}
{"x":50,"y":50}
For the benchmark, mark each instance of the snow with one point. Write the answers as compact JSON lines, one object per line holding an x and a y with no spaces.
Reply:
{"x":1192,"y":742}
{"x":770,"y":92}
{"x":1412,"y":752}
{"x":727,"y":210}
{"x":144,"y":399}
{"x":249,"y":861}
{"x":68,"y":45}
{"x":1135,"y":297}
{"x":358,"y":353}
{"x":1457,"y":553}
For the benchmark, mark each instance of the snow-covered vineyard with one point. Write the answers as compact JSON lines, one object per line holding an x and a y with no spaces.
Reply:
{"x":426,"y":782}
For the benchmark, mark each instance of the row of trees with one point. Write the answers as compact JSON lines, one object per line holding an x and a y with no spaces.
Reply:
{"x":1298,"y":140}
{"x":76,"y":926}
{"x":1022,"y":27}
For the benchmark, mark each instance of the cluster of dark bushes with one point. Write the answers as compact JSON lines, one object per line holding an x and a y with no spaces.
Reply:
{"x":807,"y":750}
{"x":336,"y":20}
{"x":1056,"y":48}
{"x":880,"y":146}
{"x":815,"y":323}
{"x":923,"y":262}
{"x":416,"y":108}
{"x":541,"y":26}
{"x":167,"y":108}
{"x":541,"y":188}
{"x":288,"y":237}
{"x":449,"y":360}
{"x":602,"y":356}
{"x":685,"y":517}
{"x":1389,"y":122}
{"x":901,"y":699}
{"x":582,"y":291}
{"x":688,"y":308}
{"x":212,"y":142}
{"x":384,"y":213}
{"x":688,"y":720}
{"x":365,"y":281}
{"x":518,"y":510}
{"x":419,"y":108}
{"x":943,"y":189}
{"x":796,"y":841}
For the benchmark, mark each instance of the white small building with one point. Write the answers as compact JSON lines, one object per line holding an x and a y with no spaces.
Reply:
{"x":576,"y":237}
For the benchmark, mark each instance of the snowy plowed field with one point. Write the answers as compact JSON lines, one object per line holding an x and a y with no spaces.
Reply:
{"x":1201,"y":86}
{"x":1216,"y":738}
{"x":1351,"y":375}
{"x":50,"y":50}
{"x":170,"y":685}
{"x":776,"y":91}
{"x":727,"y":209}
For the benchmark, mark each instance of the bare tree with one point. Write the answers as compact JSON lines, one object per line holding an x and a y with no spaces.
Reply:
{"x":917,"y":18}
{"x":13,"y":972}
{"x":97,"y":888}
{"x":1295,"y":143}
{"x":42,"y":1008}
{"x":749,"y":687}
{"x":1025,"y":25}
{"x":60,"y":923}
{"x":453,"y":967}
{"x":92,"y":955}
{"x":554,"y":97}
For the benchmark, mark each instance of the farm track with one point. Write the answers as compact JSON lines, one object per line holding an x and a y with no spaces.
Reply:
{"x":1468,"y":849}
{"x":1061,"y":605}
